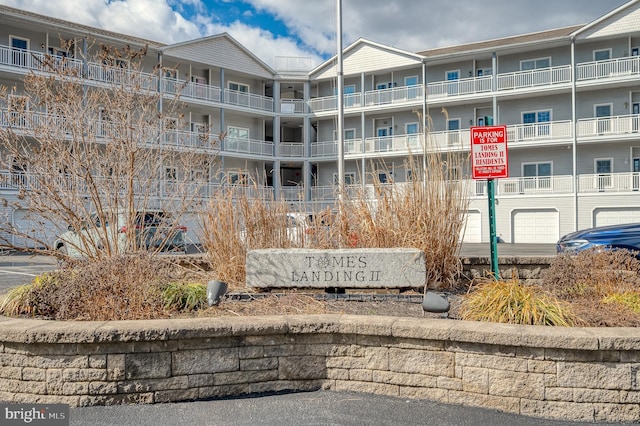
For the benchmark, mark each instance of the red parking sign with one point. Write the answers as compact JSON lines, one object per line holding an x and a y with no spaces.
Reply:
{"x":489,"y":152}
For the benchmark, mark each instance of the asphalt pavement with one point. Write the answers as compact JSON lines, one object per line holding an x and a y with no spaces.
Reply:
{"x":302,"y":409}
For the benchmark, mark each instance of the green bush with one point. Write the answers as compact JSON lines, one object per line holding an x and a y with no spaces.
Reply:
{"x":184,"y":297}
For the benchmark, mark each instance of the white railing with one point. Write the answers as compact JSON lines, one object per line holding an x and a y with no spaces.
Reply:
{"x":534,"y":78}
{"x":612,"y":68}
{"x":616,"y":125}
{"x":465,"y":86}
{"x":324,"y":149}
{"x":392,"y":96}
{"x":186,"y":139}
{"x":609,"y":182}
{"x":539,"y":131}
{"x":38,"y":61}
{"x":398,"y":143}
{"x":249,"y":100}
{"x":535,"y":185}
{"x":291,"y":149}
{"x":292,"y":106}
{"x":292,"y":193}
{"x":121,"y":76}
{"x":248,"y":146}
{"x":189,"y":89}
{"x":449,"y":140}
{"x":330,"y":103}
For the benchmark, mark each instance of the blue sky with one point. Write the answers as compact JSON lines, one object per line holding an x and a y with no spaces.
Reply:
{"x":306,"y":28}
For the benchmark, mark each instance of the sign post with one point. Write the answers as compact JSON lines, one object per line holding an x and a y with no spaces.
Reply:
{"x":489,"y":160}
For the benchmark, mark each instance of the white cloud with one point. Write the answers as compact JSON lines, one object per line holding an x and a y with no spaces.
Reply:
{"x":412,"y":25}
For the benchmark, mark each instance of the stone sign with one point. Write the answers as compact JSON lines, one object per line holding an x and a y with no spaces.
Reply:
{"x":339,"y":268}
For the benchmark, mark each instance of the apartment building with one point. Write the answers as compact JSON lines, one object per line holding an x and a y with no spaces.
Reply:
{"x":570,"y":99}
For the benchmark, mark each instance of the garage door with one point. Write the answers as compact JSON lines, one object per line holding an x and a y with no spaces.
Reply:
{"x":536,"y":226}
{"x":32,"y":224}
{"x":615,"y":216}
{"x":473,"y":230}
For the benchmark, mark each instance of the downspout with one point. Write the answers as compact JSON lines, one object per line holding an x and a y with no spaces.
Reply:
{"x":574,"y":140}
{"x":424,"y":122}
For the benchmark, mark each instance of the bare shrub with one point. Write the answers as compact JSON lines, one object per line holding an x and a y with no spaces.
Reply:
{"x":597,"y":283}
{"x":80,"y":146}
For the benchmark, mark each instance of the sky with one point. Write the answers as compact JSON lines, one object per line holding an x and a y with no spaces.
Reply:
{"x":307,"y":28}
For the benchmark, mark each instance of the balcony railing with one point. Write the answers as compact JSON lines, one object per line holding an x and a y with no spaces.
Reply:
{"x":609,"y":182}
{"x":534,"y":78}
{"x":612,"y":68}
{"x":392,"y":96}
{"x":535,"y":185}
{"x":465,"y":86}
{"x":38,"y":61}
{"x":249,"y":100}
{"x":292,"y":106}
{"x":248,"y":146}
{"x":616,"y":125}
{"x":545,"y":131}
{"x":290,"y":149}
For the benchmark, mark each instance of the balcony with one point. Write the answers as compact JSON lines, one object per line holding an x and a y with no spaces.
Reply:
{"x":534,"y":78}
{"x":396,"y":95}
{"x":291,"y":149}
{"x":248,"y":146}
{"x":38,"y":61}
{"x":615,"y":126}
{"x":465,"y":86}
{"x":621,"y":68}
{"x":248,"y":100}
{"x":292,"y":106}
{"x":609,"y":182}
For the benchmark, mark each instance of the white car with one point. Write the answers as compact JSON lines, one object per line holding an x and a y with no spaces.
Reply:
{"x":153,"y":230}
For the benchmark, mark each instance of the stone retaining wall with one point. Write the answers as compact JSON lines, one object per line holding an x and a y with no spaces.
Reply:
{"x":565,"y":373}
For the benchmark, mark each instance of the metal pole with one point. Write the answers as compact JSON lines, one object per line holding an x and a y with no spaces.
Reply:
{"x":340,"y":94}
{"x":492,"y":228}
{"x":491,"y":182}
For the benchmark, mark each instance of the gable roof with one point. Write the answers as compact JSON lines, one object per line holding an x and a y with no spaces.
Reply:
{"x":622,"y":20}
{"x":220,"y":50}
{"x":365,"y":55}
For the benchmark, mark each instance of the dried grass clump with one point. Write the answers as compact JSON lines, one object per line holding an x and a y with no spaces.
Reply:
{"x":117,"y":288}
{"x":513,"y":302}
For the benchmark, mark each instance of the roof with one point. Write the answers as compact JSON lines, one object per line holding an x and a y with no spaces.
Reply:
{"x":511,"y":41}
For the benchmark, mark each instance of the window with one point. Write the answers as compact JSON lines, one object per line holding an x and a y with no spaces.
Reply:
{"x":537,"y":121}
{"x":411,"y":130}
{"x":453,"y":126}
{"x":536,"y":175}
{"x":534,"y":64}
{"x":603,"y":168}
{"x":238,"y":87}
{"x":170,"y":173}
{"x":603,"y":115}
{"x":411,"y":80}
{"x":349,"y":179}
{"x":602,"y":55}
{"x":452,"y":81}
{"x":484,"y":71}
{"x":18,"y":107}
{"x":237,"y":132}
{"x":19,"y":47}
{"x":238,"y":178}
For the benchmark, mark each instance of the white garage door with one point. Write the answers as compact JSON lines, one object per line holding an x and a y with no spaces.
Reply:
{"x":33,"y":224}
{"x":473,"y":229}
{"x":536,"y":226}
{"x":615,"y":216}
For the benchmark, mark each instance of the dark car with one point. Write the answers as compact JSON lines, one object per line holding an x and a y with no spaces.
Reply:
{"x":613,"y":237}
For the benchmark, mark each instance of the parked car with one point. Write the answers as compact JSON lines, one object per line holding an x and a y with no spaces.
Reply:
{"x":613,"y":237}
{"x":154,"y":230}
